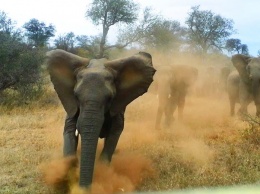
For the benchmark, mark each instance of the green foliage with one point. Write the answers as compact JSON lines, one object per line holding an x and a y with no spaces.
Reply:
{"x":153,"y":32}
{"x":6,"y":24}
{"x":235,"y":45}
{"x":164,"y":35}
{"x":207,"y":30}
{"x":66,"y":42}
{"x":38,"y":32}
{"x":90,"y":44}
{"x":20,"y":65}
{"x":108,"y":13}
{"x":252,"y":133}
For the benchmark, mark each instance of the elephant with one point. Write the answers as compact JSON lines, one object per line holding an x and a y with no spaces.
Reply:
{"x":233,"y":82}
{"x":223,"y":76}
{"x":243,"y":85}
{"x":172,"y":83}
{"x":94,"y":94}
{"x":207,"y":83}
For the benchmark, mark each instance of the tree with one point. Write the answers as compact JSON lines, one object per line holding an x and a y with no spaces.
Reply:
{"x":164,"y":34}
{"x":66,"y":42}
{"x":89,"y":43}
{"x":235,"y":45}
{"x":19,"y":62}
{"x":207,"y":30}
{"x":111,"y":12}
{"x":38,"y":32}
{"x":244,"y":49}
{"x":6,"y":24}
{"x":258,"y":53}
{"x":152,"y":31}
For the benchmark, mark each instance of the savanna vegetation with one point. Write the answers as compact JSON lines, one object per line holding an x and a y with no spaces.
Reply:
{"x":208,"y":148}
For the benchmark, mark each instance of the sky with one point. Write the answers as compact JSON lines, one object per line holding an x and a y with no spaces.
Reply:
{"x":69,"y":15}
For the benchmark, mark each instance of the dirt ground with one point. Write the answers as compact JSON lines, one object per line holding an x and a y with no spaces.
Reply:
{"x":208,"y":148}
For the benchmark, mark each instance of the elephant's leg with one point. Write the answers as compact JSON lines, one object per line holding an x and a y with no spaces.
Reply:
{"x":244,"y":98}
{"x":162,"y":104}
{"x":69,"y":136}
{"x":112,"y":139}
{"x":243,"y":108}
{"x":170,"y":108}
{"x":232,"y":103}
{"x":181,"y":104}
{"x":257,"y":109}
{"x":158,"y":117}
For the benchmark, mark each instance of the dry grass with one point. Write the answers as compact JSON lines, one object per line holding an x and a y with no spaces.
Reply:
{"x":207,"y":149}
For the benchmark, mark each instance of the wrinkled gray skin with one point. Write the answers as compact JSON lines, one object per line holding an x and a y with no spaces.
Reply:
{"x":94,"y":94}
{"x":243,"y":86}
{"x":172,"y":83}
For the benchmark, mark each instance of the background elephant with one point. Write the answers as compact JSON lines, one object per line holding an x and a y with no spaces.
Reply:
{"x":172,"y":83}
{"x":207,"y":83}
{"x":223,"y":76}
{"x":94,"y":94}
{"x":244,"y":85}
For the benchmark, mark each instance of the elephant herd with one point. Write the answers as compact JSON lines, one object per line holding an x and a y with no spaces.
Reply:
{"x":95,"y":93}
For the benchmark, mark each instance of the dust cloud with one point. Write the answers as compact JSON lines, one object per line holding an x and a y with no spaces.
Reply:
{"x":124,"y":174}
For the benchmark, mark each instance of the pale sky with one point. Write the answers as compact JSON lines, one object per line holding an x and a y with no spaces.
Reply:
{"x":69,"y":15}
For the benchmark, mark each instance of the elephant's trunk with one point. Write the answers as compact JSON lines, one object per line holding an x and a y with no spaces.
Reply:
{"x":89,"y":124}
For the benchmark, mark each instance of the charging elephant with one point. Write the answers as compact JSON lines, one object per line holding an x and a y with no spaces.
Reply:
{"x":244,"y":86}
{"x":172,"y":83}
{"x":94,"y":94}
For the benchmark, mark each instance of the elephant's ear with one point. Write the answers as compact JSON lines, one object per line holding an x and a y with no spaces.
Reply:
{"x":133,"y":78}
{"x":62,"y":66}
{"x":240,"y":62}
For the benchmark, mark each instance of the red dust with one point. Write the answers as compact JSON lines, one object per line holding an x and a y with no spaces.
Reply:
{"x":124,"y":174}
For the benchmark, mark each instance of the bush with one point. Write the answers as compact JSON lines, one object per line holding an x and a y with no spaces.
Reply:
{"x":252,"y":132}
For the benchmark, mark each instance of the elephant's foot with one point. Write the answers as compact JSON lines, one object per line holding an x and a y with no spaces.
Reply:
{"x":168,"y":122}
{"x":242,"y":115}
{"x":70,"y":144}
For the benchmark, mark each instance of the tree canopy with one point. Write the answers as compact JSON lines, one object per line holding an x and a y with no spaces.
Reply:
{"x":110,"y":12}
{"x":20,"y":63}
{"x":235,"y":45}
{"x":66,"y":42}
{"x":38,"y":32}
{"x":207,"y":30}
{"x":152,"y":31}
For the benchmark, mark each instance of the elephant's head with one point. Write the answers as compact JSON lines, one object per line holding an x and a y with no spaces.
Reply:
{"x":249,"y":72}
{"x":185,"y":75}
{"x":93,"y":88}
{"x":163,"y":79}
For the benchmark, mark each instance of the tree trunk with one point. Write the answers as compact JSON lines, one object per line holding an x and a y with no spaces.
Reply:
{"x":103,"y":42}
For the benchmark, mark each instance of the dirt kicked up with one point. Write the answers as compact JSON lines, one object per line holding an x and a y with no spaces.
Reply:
{"x":208,"y":148}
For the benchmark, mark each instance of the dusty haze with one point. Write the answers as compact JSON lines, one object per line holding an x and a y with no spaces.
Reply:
{"x":207,"y":148}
